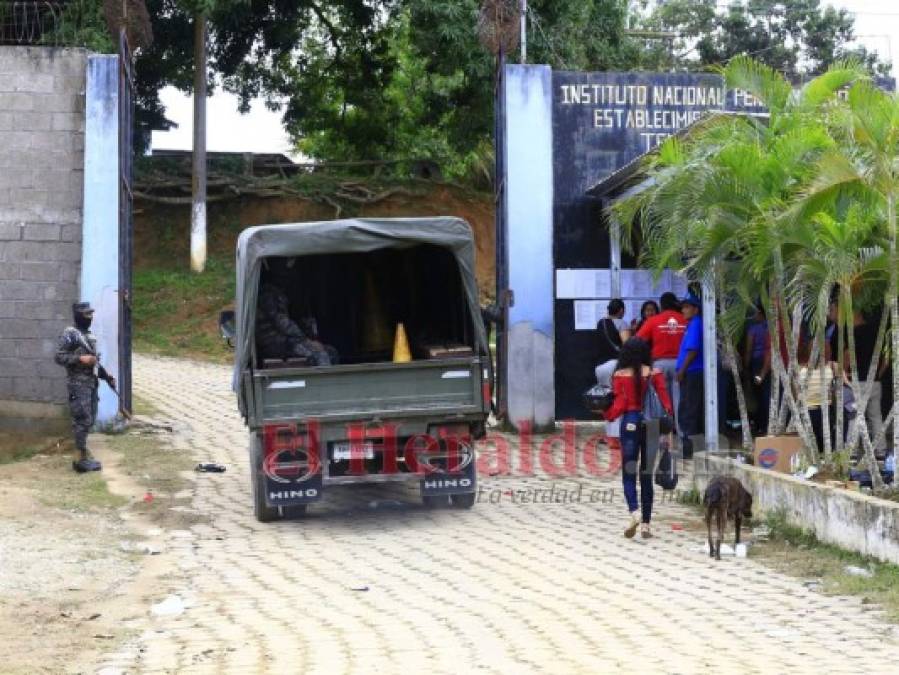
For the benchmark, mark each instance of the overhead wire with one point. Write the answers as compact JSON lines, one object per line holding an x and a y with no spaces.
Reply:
{"x":532,"y":16}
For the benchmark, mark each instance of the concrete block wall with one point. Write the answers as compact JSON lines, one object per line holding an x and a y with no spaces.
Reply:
{"x":41,"y":194}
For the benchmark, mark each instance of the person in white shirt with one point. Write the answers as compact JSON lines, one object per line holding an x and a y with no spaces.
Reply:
{"x":818,"y":384}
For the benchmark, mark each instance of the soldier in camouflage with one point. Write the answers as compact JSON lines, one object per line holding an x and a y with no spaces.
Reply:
{"x":279,"y":337}
{"x":76,"y":350}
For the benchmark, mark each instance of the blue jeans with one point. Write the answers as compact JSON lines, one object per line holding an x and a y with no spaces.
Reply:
{"x":636,"y":457}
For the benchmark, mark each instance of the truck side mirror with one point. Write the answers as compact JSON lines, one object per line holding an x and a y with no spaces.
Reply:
{"x":227,"y":327}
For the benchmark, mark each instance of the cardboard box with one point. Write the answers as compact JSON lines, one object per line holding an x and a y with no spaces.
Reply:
{"x":780,"y":453}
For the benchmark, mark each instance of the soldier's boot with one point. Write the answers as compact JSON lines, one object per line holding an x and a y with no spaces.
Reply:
{"x":86,"y":463}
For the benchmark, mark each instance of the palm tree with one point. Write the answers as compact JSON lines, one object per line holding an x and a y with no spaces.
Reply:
{"x":720,"y":196}
{"x":846,"y":254}
{"x":863,"y":166}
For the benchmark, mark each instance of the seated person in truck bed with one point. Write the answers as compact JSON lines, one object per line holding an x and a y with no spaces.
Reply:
{"x":279,"y":337}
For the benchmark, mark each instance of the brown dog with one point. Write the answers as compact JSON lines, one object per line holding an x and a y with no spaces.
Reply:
{"x":725,"y":497}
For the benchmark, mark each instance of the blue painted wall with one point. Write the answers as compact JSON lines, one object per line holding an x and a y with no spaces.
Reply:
{"x":100,"y":238}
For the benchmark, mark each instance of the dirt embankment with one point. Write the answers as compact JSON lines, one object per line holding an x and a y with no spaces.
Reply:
{"x":162,"y":232}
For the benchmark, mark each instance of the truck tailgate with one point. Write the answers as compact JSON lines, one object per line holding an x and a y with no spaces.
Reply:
{"x":371,"y":389}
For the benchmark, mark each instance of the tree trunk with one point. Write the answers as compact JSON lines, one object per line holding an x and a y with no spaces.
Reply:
{"x":776,"y":374}
{"x":894,"y":308}
{"x":798,"y":409}
{"x":866,"y":385}
{"x":731,"y":354}
{"x":841,"y":368}
{"x":198,"y":207}
{"x":860,"y":428}
{"x":825,"y":398}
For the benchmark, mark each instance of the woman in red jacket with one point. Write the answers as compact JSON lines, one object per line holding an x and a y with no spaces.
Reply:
{"x":630,"y":381}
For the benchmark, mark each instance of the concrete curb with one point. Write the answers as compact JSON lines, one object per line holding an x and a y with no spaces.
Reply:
{"x":851,"y":520}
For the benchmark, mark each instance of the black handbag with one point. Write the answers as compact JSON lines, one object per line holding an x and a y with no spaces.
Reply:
{"x":666,"y":472}
{"x":598,"y":398}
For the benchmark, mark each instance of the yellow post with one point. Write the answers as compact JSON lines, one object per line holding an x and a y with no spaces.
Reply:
{"x":401,"y":353}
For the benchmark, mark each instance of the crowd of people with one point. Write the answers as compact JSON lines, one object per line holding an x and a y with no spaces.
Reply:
{"x":821,"y":382}
{"x":662,"y":349}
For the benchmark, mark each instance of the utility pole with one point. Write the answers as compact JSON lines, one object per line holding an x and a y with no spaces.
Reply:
{"x":198,"y":183}
{"x":524,"y":31}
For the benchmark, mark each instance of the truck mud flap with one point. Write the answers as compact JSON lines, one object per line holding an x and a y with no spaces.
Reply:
{"x":294,"y":493}
{"x":439,"y":484}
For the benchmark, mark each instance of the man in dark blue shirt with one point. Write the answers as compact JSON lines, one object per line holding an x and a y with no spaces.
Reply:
{"x":689,"y":375}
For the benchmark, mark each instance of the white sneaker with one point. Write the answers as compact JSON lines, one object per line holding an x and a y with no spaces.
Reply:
{"x":646,"y":531}
{"x":633,"y":524}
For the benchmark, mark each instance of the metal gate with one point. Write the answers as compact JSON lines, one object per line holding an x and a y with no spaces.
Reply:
{"x":126,"y":258}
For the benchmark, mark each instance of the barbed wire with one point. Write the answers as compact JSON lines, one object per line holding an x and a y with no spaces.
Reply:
{"x":30,"y":22}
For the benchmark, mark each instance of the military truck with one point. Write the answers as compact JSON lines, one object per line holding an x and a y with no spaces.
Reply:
{"x":397,"y":300}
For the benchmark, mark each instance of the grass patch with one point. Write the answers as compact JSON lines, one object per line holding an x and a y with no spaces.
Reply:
{"x":158,"y":470}
{"x":176,"y":311}
{"x":689,"y":497}
{"x":149,"y":461}
{"x":16,"y":446}
{"x":797,"y":552}
{"x":76,"y":492}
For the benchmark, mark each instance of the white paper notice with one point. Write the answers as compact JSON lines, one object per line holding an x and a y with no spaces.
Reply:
{"x":678,"y":284}
{"x":587,"y":313}
{"x":574,"y":284}
{"x":639,"y":284}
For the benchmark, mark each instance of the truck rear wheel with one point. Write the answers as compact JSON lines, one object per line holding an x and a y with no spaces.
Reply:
{"x":433,"y":502}
{"x":263,"y":512}
{"x":464,"y":501}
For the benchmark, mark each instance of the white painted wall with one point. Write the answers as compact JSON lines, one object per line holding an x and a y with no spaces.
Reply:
{"x":529,"y":218}
{"x":100,"y":237}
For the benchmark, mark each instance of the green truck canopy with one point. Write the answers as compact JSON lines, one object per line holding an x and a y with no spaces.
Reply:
{"x":359,"y":235}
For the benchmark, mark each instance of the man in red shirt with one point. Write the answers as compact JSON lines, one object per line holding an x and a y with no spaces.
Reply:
{"x":664,"y":332}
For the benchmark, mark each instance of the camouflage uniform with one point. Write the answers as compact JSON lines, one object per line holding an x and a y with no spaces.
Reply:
{"x":279,"y":337}
{"x":82,"y":381}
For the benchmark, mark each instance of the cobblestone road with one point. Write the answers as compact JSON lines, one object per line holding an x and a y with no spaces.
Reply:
{"x":506,"y":588}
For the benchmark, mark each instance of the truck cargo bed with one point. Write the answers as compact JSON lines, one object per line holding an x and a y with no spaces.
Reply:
{"x":452,"y":385}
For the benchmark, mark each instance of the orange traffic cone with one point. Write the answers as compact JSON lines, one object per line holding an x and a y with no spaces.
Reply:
{"x":401,"y":353}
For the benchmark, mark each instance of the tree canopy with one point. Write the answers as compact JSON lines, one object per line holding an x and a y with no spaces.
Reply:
{"x":364,"y":79}
{"x":794,"y":37}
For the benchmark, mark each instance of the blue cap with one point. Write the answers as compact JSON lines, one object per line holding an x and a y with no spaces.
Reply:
{"x":691,"y":299}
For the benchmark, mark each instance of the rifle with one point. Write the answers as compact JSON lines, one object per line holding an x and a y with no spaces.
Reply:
{"x":84,"y":343}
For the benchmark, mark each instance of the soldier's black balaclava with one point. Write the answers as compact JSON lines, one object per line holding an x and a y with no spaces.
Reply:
{"x":82,"y":318}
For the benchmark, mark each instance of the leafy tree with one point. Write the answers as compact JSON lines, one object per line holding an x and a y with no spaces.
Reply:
{"x":794,"y":37}
{"x":316,"y":59}
{"x":432,"y":94}
{"x":362,"y":79}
